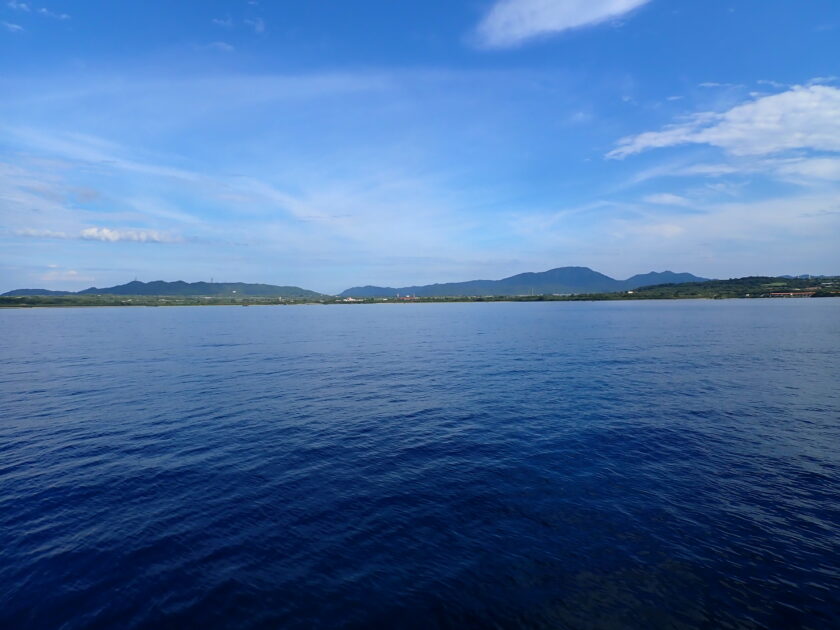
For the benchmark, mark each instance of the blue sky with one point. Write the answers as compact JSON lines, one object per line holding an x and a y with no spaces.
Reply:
{"x":327,"y":145}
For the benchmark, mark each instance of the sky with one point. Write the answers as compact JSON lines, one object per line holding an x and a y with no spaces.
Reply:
{"x":332,"y":144}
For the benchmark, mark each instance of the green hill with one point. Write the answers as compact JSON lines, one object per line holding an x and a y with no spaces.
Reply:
{"x":183,"y":289}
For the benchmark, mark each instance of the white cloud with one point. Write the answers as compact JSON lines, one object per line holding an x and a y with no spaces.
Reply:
{"x":711,"y":170}
{"x":224,"y":23}
{"x":511,"y":22}
{"x":22,"y":6}
{"x":110,"y":235}
{"x":714,"y":84}
{"x":41,"y":233}
{"x":53,"y":14}
{"x":803,"y":170}
{"x":138,"y":236}
{"x":773,"y":84}
{"x":800,"y":118}
{"x":13,"y":28}
{"x":823,"y":80}
{"x":667,"y":199}
{"x":812,"y":168}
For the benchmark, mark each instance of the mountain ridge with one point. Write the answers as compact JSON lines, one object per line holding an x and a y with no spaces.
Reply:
{"x":557,"y":280}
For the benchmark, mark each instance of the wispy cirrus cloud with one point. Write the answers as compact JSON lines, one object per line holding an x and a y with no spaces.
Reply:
{"x":258,"y":24}
{"x":52,"y":14}
{"x":812,"y":168}
{"x":667,"y":199}
{"x":114,"y":235}
{"x":513,"y":22}
{"x":715,"y":84}
{"x":42,"y":11}
{"x":804,"y":117}
{"x":220,"y":47}
{"x":38,"y":233}
{"x":722,"y":234}
{"x":346,"y":210}
{"x":773,"y":84}
{"x":389,"y":209}
{"x":12,"y":28}
{"x":105,"y":234}
{"x":803,"y":170}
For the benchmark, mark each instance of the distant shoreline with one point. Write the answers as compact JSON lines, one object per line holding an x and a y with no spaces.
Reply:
{"x":29,"y":303}
{"x":756,"y":287}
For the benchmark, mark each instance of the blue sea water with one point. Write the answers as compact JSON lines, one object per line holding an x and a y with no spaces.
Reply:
{"x":500,"y":465}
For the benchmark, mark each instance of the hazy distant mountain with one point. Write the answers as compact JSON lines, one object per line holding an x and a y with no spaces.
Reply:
{"x":560,"y":280}
{"x":659,"y":277}
{"x":181,"y":288}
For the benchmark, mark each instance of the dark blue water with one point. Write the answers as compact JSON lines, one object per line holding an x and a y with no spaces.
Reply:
{"x":554,"y":465}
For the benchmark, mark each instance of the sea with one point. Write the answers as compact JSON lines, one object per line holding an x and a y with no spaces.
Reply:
{"x":555,"y":465}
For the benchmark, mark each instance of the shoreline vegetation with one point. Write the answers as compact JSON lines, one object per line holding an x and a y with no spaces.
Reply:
{"x":738,"y":288}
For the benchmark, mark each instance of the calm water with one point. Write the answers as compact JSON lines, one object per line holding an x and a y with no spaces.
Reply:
{"x":554,"y":465}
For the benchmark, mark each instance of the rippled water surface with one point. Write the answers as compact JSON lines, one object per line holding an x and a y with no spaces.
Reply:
{"x":543,"y":465}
